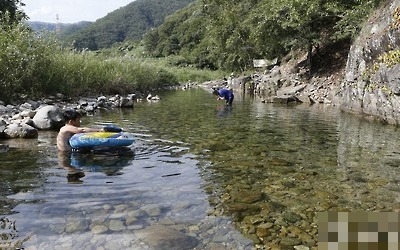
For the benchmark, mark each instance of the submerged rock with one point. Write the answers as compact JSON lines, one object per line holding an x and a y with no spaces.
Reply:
{"x":165,"y":238}
{"x":4,"y":148}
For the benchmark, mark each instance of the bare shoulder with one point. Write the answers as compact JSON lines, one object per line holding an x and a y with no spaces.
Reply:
{"x":70,"y":129}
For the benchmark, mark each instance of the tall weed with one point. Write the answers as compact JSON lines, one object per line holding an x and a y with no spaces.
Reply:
{"x":33,"y":66}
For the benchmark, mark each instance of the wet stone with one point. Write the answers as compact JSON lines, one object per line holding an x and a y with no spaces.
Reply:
{"x":193,"y":228}
{"x":75,"y":225}
{"x":120,"y":208}
{"x":290,"y":241}
{"x":116,"y":225}
{"x":99,"y":229}
{"x":131,"y":220}
{"x":291,"y":217}
{"x":301,"y":247}
{"x":165,"y":238}
{"x":248,"y":196}
{"x":107,"y":207}
{"x":263,"y":230}
{"x":166,"y":221}
{"x":57,"y":228}
{"x":152,"y":210}
{"x":117,"y":215}
{"x":135,"y":227}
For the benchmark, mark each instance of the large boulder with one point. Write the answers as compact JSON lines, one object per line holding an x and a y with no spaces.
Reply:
{"x":16,"y":130}
{"x":48,"y":117}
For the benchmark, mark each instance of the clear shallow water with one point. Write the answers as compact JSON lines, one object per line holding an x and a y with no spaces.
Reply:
{"x":203,"y":175}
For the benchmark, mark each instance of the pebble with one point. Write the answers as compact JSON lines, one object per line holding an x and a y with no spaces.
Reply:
{"x":99,"y":229}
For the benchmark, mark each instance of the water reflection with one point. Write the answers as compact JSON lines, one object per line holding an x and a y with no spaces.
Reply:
{"x":108,"y":162}
{"x":74,"y":173}
{"x":224,"y":111}
{"x":157,"y":203}
{"x":20,"y":171}
{"x":254,"y":180}
{"x":368,"y":165}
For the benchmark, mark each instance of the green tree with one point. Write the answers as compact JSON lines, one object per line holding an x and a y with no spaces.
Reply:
{"x":234,"y":32}
{"x":13,"y":11}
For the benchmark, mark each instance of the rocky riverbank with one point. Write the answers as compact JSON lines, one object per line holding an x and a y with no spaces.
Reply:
{"x":364,"y":80}
{"x":26,"y":119}
{"x":277,"y":85}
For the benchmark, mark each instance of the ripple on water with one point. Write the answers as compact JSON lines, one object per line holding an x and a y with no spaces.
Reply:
{"x":254,"y":176}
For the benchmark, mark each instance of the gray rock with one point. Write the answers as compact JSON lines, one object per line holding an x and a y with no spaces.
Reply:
{"x":3,"y":109}
{"x":116,"y":225}
{"x":165,"y":238}
{"x":373,"y":93}
{"x":99,"y":229}
{"x":28,"y":113}
{"x":17,"y":130}
{"x":4,"y":148}
{"x":48,"y":118}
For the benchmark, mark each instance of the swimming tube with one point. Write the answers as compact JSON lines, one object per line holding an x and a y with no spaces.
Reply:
{"x":101,"y":139}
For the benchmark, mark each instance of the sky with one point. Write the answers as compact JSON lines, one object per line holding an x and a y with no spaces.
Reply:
{"x":70,"y":11}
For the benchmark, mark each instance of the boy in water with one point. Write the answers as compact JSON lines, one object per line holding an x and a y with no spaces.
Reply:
{"x":72,"y":120}
{"x":226,"y":94}
{"x":72,"y":126}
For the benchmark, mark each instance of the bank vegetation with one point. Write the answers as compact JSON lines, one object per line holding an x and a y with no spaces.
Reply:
{"x":205,"y":40}
{"x":34,"y":66}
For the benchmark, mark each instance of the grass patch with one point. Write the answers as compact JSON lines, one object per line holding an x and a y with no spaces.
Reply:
{"x":34,"y":66}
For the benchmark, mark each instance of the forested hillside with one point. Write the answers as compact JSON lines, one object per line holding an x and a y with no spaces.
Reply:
{"x":127,"y":23}
{"x":228,"y":34}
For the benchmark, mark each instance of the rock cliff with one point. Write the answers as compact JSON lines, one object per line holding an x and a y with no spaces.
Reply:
{"x":371,"y":85}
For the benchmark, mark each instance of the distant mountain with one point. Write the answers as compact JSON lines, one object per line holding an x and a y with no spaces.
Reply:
{"x":42,"y":26}
{"x":66,"y":29}
{"x":69,"y":29}
{"x":126,"y":23}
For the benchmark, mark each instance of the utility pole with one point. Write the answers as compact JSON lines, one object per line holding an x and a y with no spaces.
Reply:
{"x":57,"y":24}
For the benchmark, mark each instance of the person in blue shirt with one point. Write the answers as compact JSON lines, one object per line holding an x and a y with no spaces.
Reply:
{"x":226,"y":94}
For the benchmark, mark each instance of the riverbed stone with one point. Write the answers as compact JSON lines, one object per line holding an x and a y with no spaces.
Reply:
{"x":301,"y":247}
{"x":107,"y":207}
{"x":290,"y":242}
{"x":263,"y":230}
{"x":75,"y":225}
{"x":165,"y":238}
{"x":291,"y":217}
{"x":152,"y":210}
{"x":248,"y":197}
{"x":99,"y":229}
{"x":116,"y":225}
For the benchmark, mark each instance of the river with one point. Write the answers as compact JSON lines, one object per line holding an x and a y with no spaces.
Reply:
{"x":200,"y":175}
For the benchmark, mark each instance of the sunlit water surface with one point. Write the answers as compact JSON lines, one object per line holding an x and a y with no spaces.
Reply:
{"x":200,"y":176}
